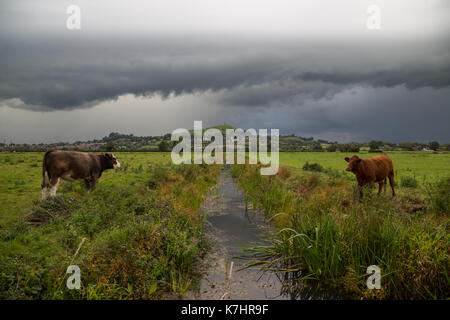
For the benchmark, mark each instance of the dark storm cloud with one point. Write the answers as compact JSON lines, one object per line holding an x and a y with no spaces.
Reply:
{"x":360,"y":114}
{"x":77,"y":72}
{"x":394,"y":114}
{"x":66,"y":74}
{"x":437,"y":77}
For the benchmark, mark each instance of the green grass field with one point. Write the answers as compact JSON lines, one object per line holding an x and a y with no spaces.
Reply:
{"x":141,"y":229}
{"x":424,"y":166}
{"x":20,"y":173}
{"x":143,"y":233}
{"x":21,"y":177}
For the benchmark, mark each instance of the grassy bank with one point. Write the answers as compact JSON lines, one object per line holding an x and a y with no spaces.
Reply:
{"x":138,"y":235}
{"x":328,"y":238}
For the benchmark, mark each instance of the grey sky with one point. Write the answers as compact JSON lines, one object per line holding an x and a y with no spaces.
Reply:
{"x":148,"y":67}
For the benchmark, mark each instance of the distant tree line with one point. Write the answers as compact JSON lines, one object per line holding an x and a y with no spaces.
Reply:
{"x":345,"y":147}
{"x":128,"y":142}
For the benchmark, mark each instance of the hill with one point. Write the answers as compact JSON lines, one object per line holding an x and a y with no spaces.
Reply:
{"x":116,"y":141}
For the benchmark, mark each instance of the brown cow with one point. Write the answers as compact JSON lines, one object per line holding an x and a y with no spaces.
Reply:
{"x":372,"y":170}
{"x":73,"y":165}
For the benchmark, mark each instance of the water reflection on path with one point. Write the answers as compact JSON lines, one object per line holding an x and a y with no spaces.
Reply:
{"x":230,"y":227}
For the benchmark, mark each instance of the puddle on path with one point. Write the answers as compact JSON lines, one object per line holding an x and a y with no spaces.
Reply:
{"x":230,"y":227}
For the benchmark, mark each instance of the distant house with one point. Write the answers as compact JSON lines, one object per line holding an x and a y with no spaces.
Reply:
{"x":427,"y":150}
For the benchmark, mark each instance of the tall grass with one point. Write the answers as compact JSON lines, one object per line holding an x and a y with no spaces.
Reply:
{"x":328,"y":238}
{"x":439,"y":196}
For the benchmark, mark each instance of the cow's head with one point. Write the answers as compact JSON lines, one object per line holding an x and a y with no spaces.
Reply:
{"x":114,"y":162}
{"x":353,"y":163}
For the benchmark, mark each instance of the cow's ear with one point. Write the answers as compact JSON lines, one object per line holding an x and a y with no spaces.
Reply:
{"x":347,"y":159}
{"x":358,"y":160}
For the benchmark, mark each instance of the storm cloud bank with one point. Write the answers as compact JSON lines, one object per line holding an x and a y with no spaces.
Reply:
{"x":339,"y":84}
{"x":55,"y":74}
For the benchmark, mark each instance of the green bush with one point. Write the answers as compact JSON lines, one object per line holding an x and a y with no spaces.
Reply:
{"x":312,"y":167}
{"x":409,"y":182}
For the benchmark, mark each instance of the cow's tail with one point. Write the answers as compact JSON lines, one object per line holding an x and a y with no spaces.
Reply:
{"x":45,"y":172}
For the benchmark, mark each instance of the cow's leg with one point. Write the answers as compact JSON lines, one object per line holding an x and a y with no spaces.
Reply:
{"x":391,"y":182}
{"x":93,"y":184}
{"x":44,"y":185}
{"x":54,"y":183}
{"x":87,"y":182}
{"x":360,"y":187}
{"x":380,"y":187}
{"x":385,"y":184}
{"x":44,"y":192}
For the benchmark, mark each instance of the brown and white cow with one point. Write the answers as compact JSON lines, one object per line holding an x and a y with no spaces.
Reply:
{"x":372,"y":170}
{"x":73,"y":165}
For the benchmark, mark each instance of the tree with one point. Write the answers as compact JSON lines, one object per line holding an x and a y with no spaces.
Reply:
{"x":164,"y":146}
{"x":316,"y":146}
{"x":348,"y":147}
{"x":110,"y":146}
{"x":434,"y":145}
{"x":332,"y":148}
{"x":374,"y":145}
